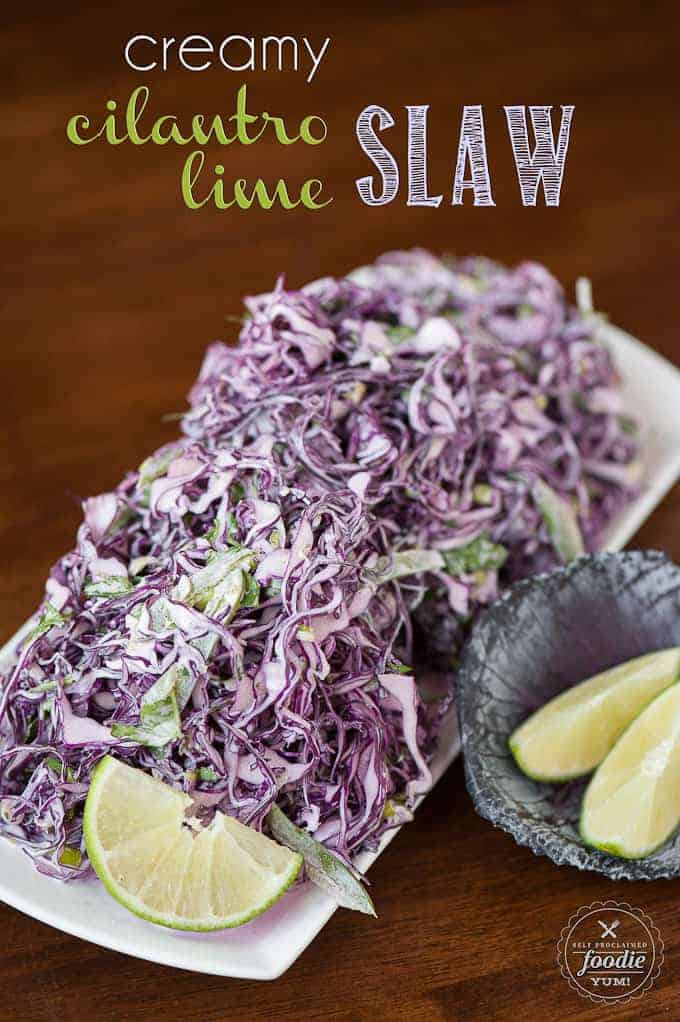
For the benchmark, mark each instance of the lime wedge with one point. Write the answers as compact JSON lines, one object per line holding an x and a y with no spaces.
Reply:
{"x":631,"y":805}
{"x":165,"y":867}
{"x":571,"y":735}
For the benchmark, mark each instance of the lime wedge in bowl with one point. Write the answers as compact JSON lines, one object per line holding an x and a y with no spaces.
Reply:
{"x":572,"y":734}
{"x":631,"y":806}
{"x":165,"y":867}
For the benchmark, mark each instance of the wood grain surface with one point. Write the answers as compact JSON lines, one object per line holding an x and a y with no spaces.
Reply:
{"x":111,"y":290}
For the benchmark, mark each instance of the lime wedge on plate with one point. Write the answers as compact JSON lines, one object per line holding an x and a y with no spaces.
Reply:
{"x":165,"y":867}
{"x":571,"y":735}
{"x":632,"y":805}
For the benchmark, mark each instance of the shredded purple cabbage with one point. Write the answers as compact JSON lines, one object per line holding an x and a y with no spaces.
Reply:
{"x":237,"y":617}
{"x":439,"y":393}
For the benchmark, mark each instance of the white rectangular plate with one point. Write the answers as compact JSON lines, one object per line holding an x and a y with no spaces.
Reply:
{"x":266,"y":947}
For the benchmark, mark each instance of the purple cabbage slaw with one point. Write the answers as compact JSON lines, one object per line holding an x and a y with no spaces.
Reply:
{"x":442,"y":394}
{"x":236,"y":618}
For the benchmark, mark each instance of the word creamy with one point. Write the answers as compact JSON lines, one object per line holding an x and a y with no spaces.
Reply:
{"x":544,"y":165}
{"x":240,"y":127}
{"x":234,"y":53}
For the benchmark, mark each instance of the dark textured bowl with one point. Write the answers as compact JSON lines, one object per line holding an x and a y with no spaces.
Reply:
{"x":545,"y":634}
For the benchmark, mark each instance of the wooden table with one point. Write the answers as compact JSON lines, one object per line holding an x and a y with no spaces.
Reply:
{"x":113,"y":289}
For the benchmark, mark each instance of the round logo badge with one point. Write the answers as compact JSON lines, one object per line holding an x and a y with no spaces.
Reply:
{"x":610,"y":952}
